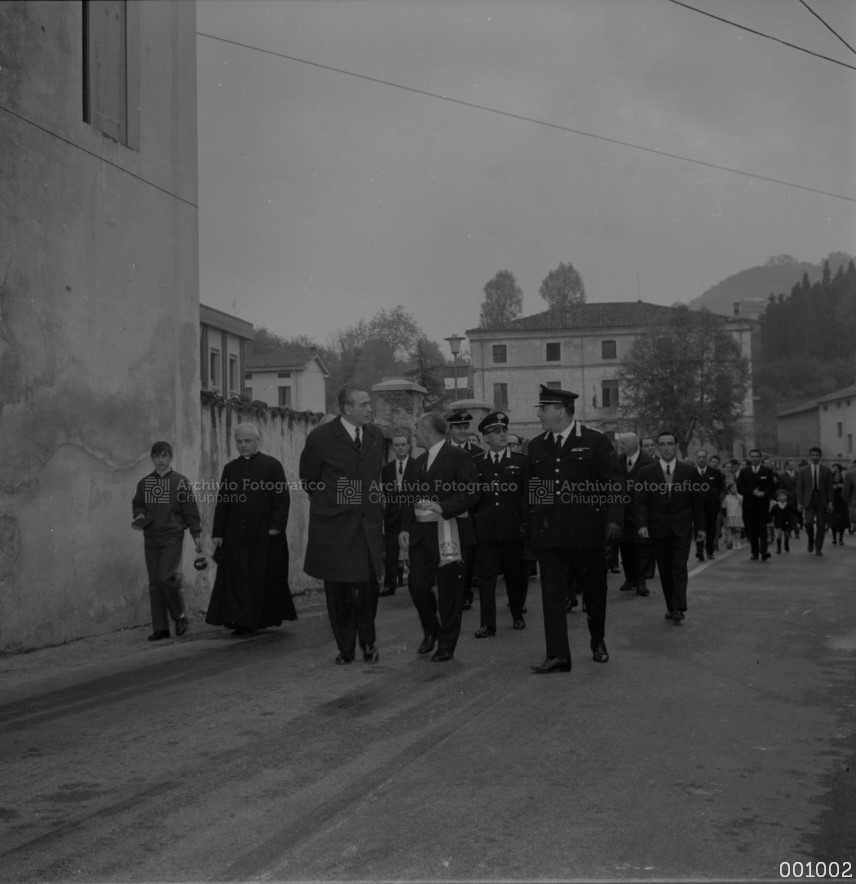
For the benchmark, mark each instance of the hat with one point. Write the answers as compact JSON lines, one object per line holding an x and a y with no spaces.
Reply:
{"x":459,"y":417}
{"x":549,"y":396}
{"x":494,"y":419}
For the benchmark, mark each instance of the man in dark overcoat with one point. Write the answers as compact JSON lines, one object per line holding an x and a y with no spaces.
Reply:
{"x":756,"y":484}
{"x":397,"y":475}
{"x":438,"y":532}
{"x":576,"y":498}
{"x":501,"y":524}
{"x":340,"y":468}
{"x":669,"y":513}
{"x":251,"y":588}
{"x":712,"y":494}
{"x":635,"y":550}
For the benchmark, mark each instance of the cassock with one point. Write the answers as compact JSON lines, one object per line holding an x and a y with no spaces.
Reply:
{"x":251,"y":589}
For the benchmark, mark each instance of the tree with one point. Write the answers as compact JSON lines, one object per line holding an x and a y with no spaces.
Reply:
{"x":503,"y":300}
{"x":426,"y":368}
{"x":562,"y":287}
{"x":687,"y":375}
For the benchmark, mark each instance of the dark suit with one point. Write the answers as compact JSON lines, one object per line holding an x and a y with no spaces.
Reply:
{"x":756,"y":509}
{"x":345,"y":543}
{"x":711,"y":496}
{"x":672,"y":514}
{"x":635,"y":550}
{"x":573,"y":494}
{"x":501,"y":526}
{"x":452,"y":481}
{"x":815,"y":502}
{"x":395,"y":491}
{"x":470,"y":571}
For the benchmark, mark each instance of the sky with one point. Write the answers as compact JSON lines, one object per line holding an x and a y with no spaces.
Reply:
{"x":325,"y":197}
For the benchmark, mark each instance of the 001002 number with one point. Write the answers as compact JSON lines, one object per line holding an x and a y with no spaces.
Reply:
{"x":818,"y":869}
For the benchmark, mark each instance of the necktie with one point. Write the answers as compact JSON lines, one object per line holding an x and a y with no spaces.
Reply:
{"x":814,"y":478}
{"x":401,"y":468}
{"x":357,"y":440}
{"x":669,"y":478}
{"x":629,"y":464}
{"x":559,"y":442}
{"x":495,"y":459}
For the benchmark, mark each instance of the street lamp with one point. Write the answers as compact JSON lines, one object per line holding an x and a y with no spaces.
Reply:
{"x":455,"y":347}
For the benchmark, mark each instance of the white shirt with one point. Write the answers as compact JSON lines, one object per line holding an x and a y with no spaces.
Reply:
{"x":631,"y":460}
{"x":559,"y":438}
{"x":670,"y":467}
{"x":351,"y":428}
{"x":400,"y":467}
{"x":432,"y":453}
{"x":497,"y":456}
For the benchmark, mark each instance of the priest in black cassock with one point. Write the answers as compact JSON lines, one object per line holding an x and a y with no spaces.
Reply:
{"x":251,"y":590}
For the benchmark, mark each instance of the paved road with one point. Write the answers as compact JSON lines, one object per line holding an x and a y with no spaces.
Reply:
{"x":715,"y":749}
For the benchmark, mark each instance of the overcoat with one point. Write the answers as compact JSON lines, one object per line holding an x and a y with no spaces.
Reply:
{"x":346,"y":503}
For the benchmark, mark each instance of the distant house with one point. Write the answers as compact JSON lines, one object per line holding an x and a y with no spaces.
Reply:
{"x":578,"y":349}
{"x":289,"y":377}
{"x":223,"y":340}
{"x":828,"y":421}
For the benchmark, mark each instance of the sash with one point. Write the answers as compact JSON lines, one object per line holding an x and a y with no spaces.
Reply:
{"x":448,"y":537}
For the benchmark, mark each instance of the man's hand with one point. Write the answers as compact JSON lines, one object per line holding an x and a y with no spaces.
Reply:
{"x":272,"y":531}
{"x":643,"y":533}
{"x":404,"y":540}
{"x":613,"y":531}
{"x":430,"y":506}
{"x":217,"y":541}
{"x":701,"y":535}
{"x":757,"y":492}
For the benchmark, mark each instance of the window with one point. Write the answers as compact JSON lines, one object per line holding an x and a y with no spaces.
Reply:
{"x":249,"y":393}
{"x":214,"y":369}
{"x":840,"y":430}
{"x":554,"y":353}
{"x":233,"y":374}
{"x":500,"y":353}
{"x":850,"y":443}
{"x":608,"y":350}
{"x":609,"y":394}
{"x":248,"y":375}
{"x":283,"y":374}
{"x":284,"y":397}
{"x":553,"y":385}
{"x":500,"y":397}
{"x":110,"y":69}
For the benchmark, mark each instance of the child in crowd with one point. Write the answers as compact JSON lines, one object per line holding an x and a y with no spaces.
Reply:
{"x":734,"y":516}
{"x":163,"y":508}
{"x":783,"y":516}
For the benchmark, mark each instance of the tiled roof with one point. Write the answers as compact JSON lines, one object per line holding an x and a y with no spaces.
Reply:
{"x":293,"y":357}
{"x":616,"y":314}
{"x":839,"y":394}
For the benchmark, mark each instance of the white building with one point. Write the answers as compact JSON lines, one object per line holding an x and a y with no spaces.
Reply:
{"x":292,"y":377}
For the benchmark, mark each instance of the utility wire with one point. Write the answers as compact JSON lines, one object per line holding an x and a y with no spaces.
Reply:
{"x":828,"y":26}
{"x":762,"y":34}
{"x":513,"y":116}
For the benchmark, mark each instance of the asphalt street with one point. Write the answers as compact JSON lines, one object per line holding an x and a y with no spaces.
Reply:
{"x":716,"y":749}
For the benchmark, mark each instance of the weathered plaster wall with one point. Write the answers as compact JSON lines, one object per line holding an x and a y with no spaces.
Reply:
{"x":99,"y":315}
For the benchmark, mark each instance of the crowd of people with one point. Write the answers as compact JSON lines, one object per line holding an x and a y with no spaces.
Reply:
{"x":450,"y":512}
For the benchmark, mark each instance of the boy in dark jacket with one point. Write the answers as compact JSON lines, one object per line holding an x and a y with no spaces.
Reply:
{"x":783,"y":515}
{"x":163,"y":508}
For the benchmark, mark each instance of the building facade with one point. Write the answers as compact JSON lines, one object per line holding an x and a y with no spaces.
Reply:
{"x":223,"y":343}
{"x":837,"y":423}
{"x":580,"y":350}
{"x":99,"y":297}
{"x":289,"y":378}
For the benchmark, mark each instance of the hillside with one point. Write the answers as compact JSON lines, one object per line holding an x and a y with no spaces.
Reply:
{"x":778,"y":276}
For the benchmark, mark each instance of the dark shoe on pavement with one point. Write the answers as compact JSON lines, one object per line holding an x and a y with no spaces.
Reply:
{"x":818,"y":553}
{"x":677,"y":616}
{"x":388,"y":591}
{"x":810,"y":547}
{"x":571,"y":603}
{"x":642,"y":590}
{"x":519,"y":624}
{"x":484,"y":632}
{"x":158,"y":634}
{"x":441,"y":656}
{"x":344,"y":658}
{"x":709,"y":556}
{"x":627,"y":586}
{"x":670,"y":615}
{"x":466,"y":606}
{"x":765,"y":557}
{"x":600,"y":654}
{"x":242,"y":630}
{"x":427,"y":644}
{"x":181,"y":626}
{"x":551,"y":664}
{"x":754,"y":558}
{"x":370,"y":654}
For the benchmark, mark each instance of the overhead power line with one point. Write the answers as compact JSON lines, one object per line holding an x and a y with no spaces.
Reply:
{"x":525,"y":119}
{"x":828,"y":26}
{"x":762,"y":34}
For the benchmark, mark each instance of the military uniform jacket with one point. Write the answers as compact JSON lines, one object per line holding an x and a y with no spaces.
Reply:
{"x":574,"y":493}
{"x":502,"y":512}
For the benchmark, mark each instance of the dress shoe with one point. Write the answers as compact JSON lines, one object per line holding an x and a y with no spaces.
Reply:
{"x":427,"y":644}
{"x":158,"y":634}
{"x":386,"y":592}
{"x":710,"y":557}
{"x":600,"y":654}
{"x":818,"y":553}
{"x":571,"y":603}
{"x":519,"y":624}
{"x":441,"y":656}
{"x":466,"y":606}
{"x":615,"y":570}
{"x":670,"y":615}
{"x":700,"y":556}
{"x":754,"y":558}
{"x":484,"y":632}
{"x":344,"y":658}
{"x":642,"y":590}
{"x":551,"y":664}
{"x":242,"y":630}
{"x":765,"y":557}
{"x":810,"y":546}
{"x":370,"y":654}
{"x":181,"y":626}
{"x":627,"y":586}
{"x":677,"y":616}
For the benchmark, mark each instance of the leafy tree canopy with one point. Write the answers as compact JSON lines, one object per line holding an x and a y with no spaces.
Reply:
{"x":562,"y":287}
{"x":503,"y":300}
